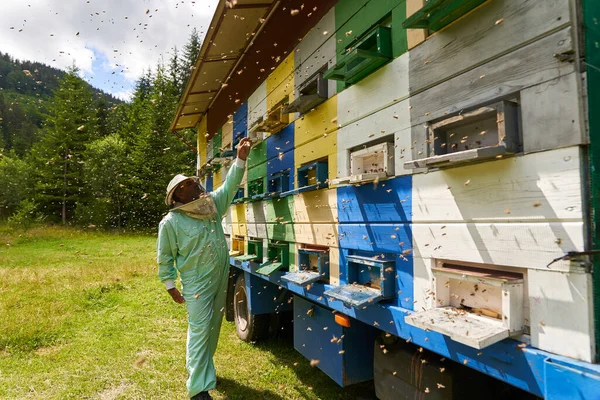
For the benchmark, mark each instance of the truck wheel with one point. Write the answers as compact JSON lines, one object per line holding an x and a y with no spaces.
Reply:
{"x":250,"y":327}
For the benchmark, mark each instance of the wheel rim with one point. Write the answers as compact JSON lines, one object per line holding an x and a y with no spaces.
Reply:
{"x":241,"y":308}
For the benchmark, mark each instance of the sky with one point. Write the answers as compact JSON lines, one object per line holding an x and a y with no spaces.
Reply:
{"x":112,"y":42}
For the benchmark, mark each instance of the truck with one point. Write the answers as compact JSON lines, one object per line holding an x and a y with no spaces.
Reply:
{"x":421,"y":203}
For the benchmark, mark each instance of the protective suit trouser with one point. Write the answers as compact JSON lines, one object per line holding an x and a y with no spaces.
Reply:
{"x":205,"y":314}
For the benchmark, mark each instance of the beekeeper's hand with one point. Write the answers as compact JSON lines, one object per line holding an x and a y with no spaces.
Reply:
{"x":176,"y":295}
{"x":243,"y":149}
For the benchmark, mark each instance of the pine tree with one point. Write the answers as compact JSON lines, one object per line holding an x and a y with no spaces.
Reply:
{"x":157,"y":154}
{"x":191,"y":51}
{"x":60,"y":155}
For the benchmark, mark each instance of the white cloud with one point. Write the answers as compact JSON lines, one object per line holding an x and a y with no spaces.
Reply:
{"x":115,"y":30}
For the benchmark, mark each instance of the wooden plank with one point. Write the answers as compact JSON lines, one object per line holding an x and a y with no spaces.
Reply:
{"x":258,"y":171}
{"x":377,"y":238}
{"x":218,"y":178}
{"x":280,"y":83}
{"x":538,"y":187}
{"x":280,"y":142}
{"x":316,"y":49}
{"x":379,"y":90}
{"x":334,"y":266}
{"x":202,"y":141}
{"x":530,"y":245}
{"x":392,"y":122}
{"x":389,"y":201}
{"x":257,"y":104}
{"x":561,"y":313}
{"x":281,"y":232}
{"x":527,"y":67}
{"x":462,"y":327}
{"x":315,"y":234}
{"x":256,"y":212}
{"x":319,"y":206}
{"x":325,"y":146}
{"x":227,"y":134}
{"x":482,"y":36}
{"x":257,"y":230}
{"x":321,"y":121}
{"x":355,"y":18}
{"x":226,"y":222}
{"x":551,"y":115}
{"x":414,"y":37}
{"x":257,"y":155}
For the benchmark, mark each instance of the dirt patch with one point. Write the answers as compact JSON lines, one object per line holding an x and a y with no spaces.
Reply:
{"x":113,"y":392}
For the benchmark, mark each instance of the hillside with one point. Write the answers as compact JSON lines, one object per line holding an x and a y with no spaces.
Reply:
{"x":25,"y":90}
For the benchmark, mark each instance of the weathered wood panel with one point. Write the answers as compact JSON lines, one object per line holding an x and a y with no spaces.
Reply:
{"x":202,"y":142}
{"x":319,"y":206}
{"x":355,"y":18}
{"x":496,"y":28}
{"x":280,"y":83}
{"x":532,"y":65}
{"x":315,"y":234}
{"x":414,"y":37}
{"x":218,"y":177}
{"x":381,"y":89}
{"x":257,"y":104}
{"x":334,"y":266}
{"x":551,"y":114}
{"x":561,"y":318}
{"x":529,"y":66}
{"x":320,"y":121}
{"x":392,"y":122}
{"x":316,"y":50}
{"x":238,"y":219}
{"x":390,"y":201}
{"x":227,"y":134}
{"x":257,"y":155}
{"x":542,"y":186}
{"x":258,"y":171}
{"x":325,"y":146}
{"x":519,"y":244}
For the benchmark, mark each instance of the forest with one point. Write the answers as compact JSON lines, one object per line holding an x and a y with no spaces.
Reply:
{"x":73,"y":155}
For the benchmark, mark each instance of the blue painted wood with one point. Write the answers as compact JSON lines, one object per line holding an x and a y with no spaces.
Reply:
{"x":510,"y":361}
{"x":283,"y":163}
{"x":377,"y":238}
{"x":265,"y":298}
{"x":314,"y":329}
{"x":389,"y":201}
{"x":562,"y":382}
{"x":240,"y":123}
{"x":280,"y":142}
{"x":321,"y":170}
{"x":403,"y":288}
{"x":209,"y":183}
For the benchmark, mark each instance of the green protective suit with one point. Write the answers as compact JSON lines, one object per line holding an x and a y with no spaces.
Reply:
{"x":197,"y":249}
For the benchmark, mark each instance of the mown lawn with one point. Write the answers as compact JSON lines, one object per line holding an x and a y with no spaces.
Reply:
{"x":82,"y":315}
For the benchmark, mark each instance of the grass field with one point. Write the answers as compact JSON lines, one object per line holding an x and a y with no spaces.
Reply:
{"x":82,"y":315}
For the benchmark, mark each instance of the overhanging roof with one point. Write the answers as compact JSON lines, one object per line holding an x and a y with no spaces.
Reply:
{"x":242,"y":45}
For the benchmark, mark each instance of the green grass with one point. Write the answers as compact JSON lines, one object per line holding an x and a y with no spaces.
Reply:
{"x":82,"y":315}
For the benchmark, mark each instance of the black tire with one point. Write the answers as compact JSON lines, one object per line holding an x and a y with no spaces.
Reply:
{"x":250,"y":328}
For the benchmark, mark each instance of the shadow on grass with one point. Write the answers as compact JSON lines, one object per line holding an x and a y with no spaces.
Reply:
{"x":233,"y":390}
{"x":313,"y":379}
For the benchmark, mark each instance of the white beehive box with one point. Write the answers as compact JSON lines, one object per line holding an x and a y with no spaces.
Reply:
{"x":474,"y":306}
{"x":371,"y":163}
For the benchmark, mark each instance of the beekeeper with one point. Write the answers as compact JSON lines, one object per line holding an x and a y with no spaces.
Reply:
{"x":191,"y":242}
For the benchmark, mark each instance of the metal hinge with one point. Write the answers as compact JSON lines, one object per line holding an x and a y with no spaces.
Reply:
{"x":576,"y":256}
{"x":567,"y":56}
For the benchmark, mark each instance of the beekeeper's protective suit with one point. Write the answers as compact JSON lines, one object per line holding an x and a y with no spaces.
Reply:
{"x":191,"y":241}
